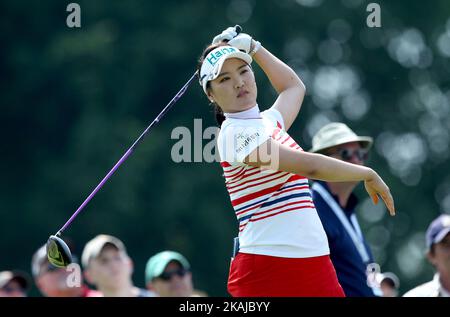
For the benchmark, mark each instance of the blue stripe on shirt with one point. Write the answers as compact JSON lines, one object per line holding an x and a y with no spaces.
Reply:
{"x":252,"y":204}
{"x":277,"y":201}
{"x":294,"y":185}
{"x":269,"y":203}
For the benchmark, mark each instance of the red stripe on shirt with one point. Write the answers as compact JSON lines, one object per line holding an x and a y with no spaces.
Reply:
{"x":251,"y":196}
{"x":300,"y":202}
{"x":242,"y":171}
{"x":283,"y":211}
{"x":290,"y":189}
{"x":232,"y":170}
{"x":262,"y":193}
{"x":275,"y":133}
{"x":257,"y":184}
{"x":288,"y":138}
{"x":248,"y":170}
{"x":244,"y":177}
{"x":295,"y":177}
{"x":255,"y":179}
{"x":242,"y":227}
{"x":285,"y":205}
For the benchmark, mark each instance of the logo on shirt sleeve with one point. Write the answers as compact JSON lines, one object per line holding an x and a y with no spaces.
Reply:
{"x":245,"y":139}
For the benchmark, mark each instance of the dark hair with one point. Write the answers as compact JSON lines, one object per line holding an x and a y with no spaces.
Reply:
{"x":432,"y":249}
{"x":218,"y":113}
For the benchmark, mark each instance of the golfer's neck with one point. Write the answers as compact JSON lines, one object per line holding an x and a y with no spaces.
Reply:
{"x":342,"y":191}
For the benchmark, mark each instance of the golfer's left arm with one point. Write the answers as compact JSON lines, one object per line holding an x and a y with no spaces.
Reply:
{"x":285,"y":81}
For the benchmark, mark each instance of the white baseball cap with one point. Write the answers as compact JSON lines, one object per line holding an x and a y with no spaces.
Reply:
{"x":213,"y":62}
{"x":95,"y":246}
{"x":438,"y":230}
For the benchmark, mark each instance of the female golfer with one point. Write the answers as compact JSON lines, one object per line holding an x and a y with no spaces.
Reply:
{"x":283,"y":246}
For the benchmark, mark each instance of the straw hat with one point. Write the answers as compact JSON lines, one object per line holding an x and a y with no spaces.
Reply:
{"x":337,"y":133}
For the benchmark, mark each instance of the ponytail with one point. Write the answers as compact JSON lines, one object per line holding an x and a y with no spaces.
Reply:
{"x":218,"y":113}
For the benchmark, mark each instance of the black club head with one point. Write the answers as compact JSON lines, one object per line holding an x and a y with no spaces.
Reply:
{"x":58,"y":253}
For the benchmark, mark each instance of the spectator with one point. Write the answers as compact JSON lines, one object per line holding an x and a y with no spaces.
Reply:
{"x":108,"y":267}
{"x":389,"y":284}
{"x":336,"y":204}
{"x":57,"y":282}
{"x":168,"y":274}
{"x":438,"y":253}
{"x":14,"y":284}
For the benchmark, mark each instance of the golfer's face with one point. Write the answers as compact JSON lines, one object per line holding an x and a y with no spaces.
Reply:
{"x":235,"y":88}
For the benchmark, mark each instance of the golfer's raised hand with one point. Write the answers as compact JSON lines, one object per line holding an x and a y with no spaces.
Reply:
{"x":226,"y":35}
{"x":376,"y":187}
{"x":243,"y":42}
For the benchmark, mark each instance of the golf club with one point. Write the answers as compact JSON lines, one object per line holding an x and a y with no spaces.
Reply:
{"x":58,"y":253}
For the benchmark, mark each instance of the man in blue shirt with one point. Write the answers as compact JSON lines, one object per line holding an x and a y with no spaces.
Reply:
{"x":336,"y":203}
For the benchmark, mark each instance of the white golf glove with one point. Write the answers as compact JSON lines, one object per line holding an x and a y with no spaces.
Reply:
{"x":241,"y":41}
{"x":226,"y":35}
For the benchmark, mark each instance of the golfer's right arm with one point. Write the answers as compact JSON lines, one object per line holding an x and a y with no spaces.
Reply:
{"x":320,"y":167}
{"x":287,"y":84}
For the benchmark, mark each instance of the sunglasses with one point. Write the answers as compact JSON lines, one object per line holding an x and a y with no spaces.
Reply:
{"x":348,"y":154}
{"x":167,"y":276}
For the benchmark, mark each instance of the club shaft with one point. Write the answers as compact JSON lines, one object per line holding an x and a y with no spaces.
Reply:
{"x":128,"y":153}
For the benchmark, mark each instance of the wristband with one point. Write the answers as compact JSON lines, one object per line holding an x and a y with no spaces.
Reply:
{"x":256,"y":47}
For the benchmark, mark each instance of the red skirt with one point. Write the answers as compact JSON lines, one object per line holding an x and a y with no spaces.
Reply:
{"x":253,"y":275}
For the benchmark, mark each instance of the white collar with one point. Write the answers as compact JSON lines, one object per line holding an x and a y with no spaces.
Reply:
{"x":437,"y":282}
{"x":252,"y":113}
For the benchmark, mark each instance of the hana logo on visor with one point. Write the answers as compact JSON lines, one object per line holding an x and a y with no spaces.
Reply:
{"x":209,"y":69}
{"x":215,"y":55}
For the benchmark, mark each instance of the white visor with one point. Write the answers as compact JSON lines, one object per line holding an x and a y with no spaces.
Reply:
{"x":212,"y":65}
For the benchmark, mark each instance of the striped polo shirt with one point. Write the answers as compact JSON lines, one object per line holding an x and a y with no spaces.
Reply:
{"x":274,"y":209}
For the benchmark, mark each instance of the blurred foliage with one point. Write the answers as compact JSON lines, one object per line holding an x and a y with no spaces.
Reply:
{"x":73,"y":100}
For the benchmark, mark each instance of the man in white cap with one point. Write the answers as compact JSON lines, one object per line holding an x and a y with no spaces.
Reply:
{"x":336,"y":203}
{"x":53,"y":281}
{"x":108,"y":267}
{"x":438,"y":253}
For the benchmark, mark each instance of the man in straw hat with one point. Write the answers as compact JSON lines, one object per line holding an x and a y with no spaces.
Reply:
{"x":336,"y":203}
